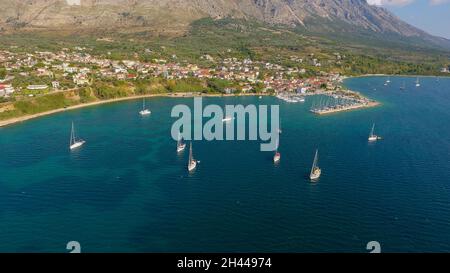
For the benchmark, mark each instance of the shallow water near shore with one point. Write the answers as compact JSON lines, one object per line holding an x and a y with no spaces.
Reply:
{"x":127,"y":190}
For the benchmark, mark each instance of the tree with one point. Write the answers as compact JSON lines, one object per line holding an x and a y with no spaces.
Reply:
{"x":2,"y":73}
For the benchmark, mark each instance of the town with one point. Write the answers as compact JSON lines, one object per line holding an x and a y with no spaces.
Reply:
{"x":27,"y":75}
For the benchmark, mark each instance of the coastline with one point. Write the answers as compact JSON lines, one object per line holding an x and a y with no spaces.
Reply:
{"x":4,"y":123}
{"x":7,"y":122}
{"x":395,"y":75}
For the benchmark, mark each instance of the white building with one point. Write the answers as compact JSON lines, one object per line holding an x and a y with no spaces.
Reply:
{"x":37,"y":87}
{"x":55,"y":84}
{"x":6,"y":90}
{"x":80,"y":79}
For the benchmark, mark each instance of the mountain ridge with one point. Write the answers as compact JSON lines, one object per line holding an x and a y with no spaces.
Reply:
{"x":177,"y":15}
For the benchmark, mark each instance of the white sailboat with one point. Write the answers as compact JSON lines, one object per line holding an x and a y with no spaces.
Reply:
{"x":403,"y":86}
{"x":277,"y":156}
{"x":181,"y":146}
{"x":74,"y":143}
{"x":316,"y":172}
{"x":388,"y":80}
{"x":417,"y":82}
{"x":144,"y":111}
{"x":192,"y":162}
{"x":372,"y":136}
{"x":280,"y":131}
{"x":227,"y":119}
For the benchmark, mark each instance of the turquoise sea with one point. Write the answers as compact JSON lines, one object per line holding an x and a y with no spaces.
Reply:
{"x":127,"y":190}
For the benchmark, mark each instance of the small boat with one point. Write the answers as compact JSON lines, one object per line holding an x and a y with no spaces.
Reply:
{"x":144,"y":111}
{"x":388,"y":80}
{"x":316,"y":172}
{"x":74,"y":143}
{"x":227,"y":119}
{"x":417,"y":82}
{"x":372,"y":136}
{"x":192,"y":162}
{"x":403,"y":86}
{"x":260,"y":97}
{"x":181,"y":146}
{"x":277,"y":156}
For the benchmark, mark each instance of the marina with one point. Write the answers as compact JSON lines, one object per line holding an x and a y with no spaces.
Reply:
{"x":291,"y":97}
{"x":333,"y":103}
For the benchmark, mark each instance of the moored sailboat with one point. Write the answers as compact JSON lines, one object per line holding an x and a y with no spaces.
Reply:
{"x":181,"y":146}
{"x":144,"y":111}
{"x":372,"y":136}
{"x":192,"y":162}
{"x":417,"y":82}
{"x":277,"y":156}
{"x":74,"y":143}
{"x":227,"y":119}
{"x":316,"y":172}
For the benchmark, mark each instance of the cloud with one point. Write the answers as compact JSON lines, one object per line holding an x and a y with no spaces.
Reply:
{"x":390,"y":2}
{"x":403,"y":2}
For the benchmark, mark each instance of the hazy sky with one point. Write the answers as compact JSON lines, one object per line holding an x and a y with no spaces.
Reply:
{"x":432,"y":16}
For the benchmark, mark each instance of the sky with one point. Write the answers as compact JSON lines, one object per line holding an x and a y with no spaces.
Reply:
{"x":433,"y":16}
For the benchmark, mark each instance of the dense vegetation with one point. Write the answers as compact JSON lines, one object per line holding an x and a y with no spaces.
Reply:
{"x":105,"y":90}
{"x":245,"y":39}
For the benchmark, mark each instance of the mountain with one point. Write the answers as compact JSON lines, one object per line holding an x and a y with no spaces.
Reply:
{"x":319,"y":16}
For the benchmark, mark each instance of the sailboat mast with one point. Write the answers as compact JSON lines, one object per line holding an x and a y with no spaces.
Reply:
{"x":373,"y":131}
{"x":72,"y":135}
{"x":315,"y":162}
{"x":190,"y":154}
{"x":180,"y":139}
{"x":278,"y":143}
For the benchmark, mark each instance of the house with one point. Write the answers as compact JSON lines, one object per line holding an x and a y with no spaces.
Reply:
{"x":302,"y":90}
{"x":229,"y":91}
{"x":37,"y":87}
{"x":6,"y":90}
{"x":119,"y":70}
{"x":80,"y":79}
{"x":70,"y":69}
{"x":43,"y":72}
{"x":55,"y":84}
{"x":7,"y":78}
{"x":131,"y":76}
